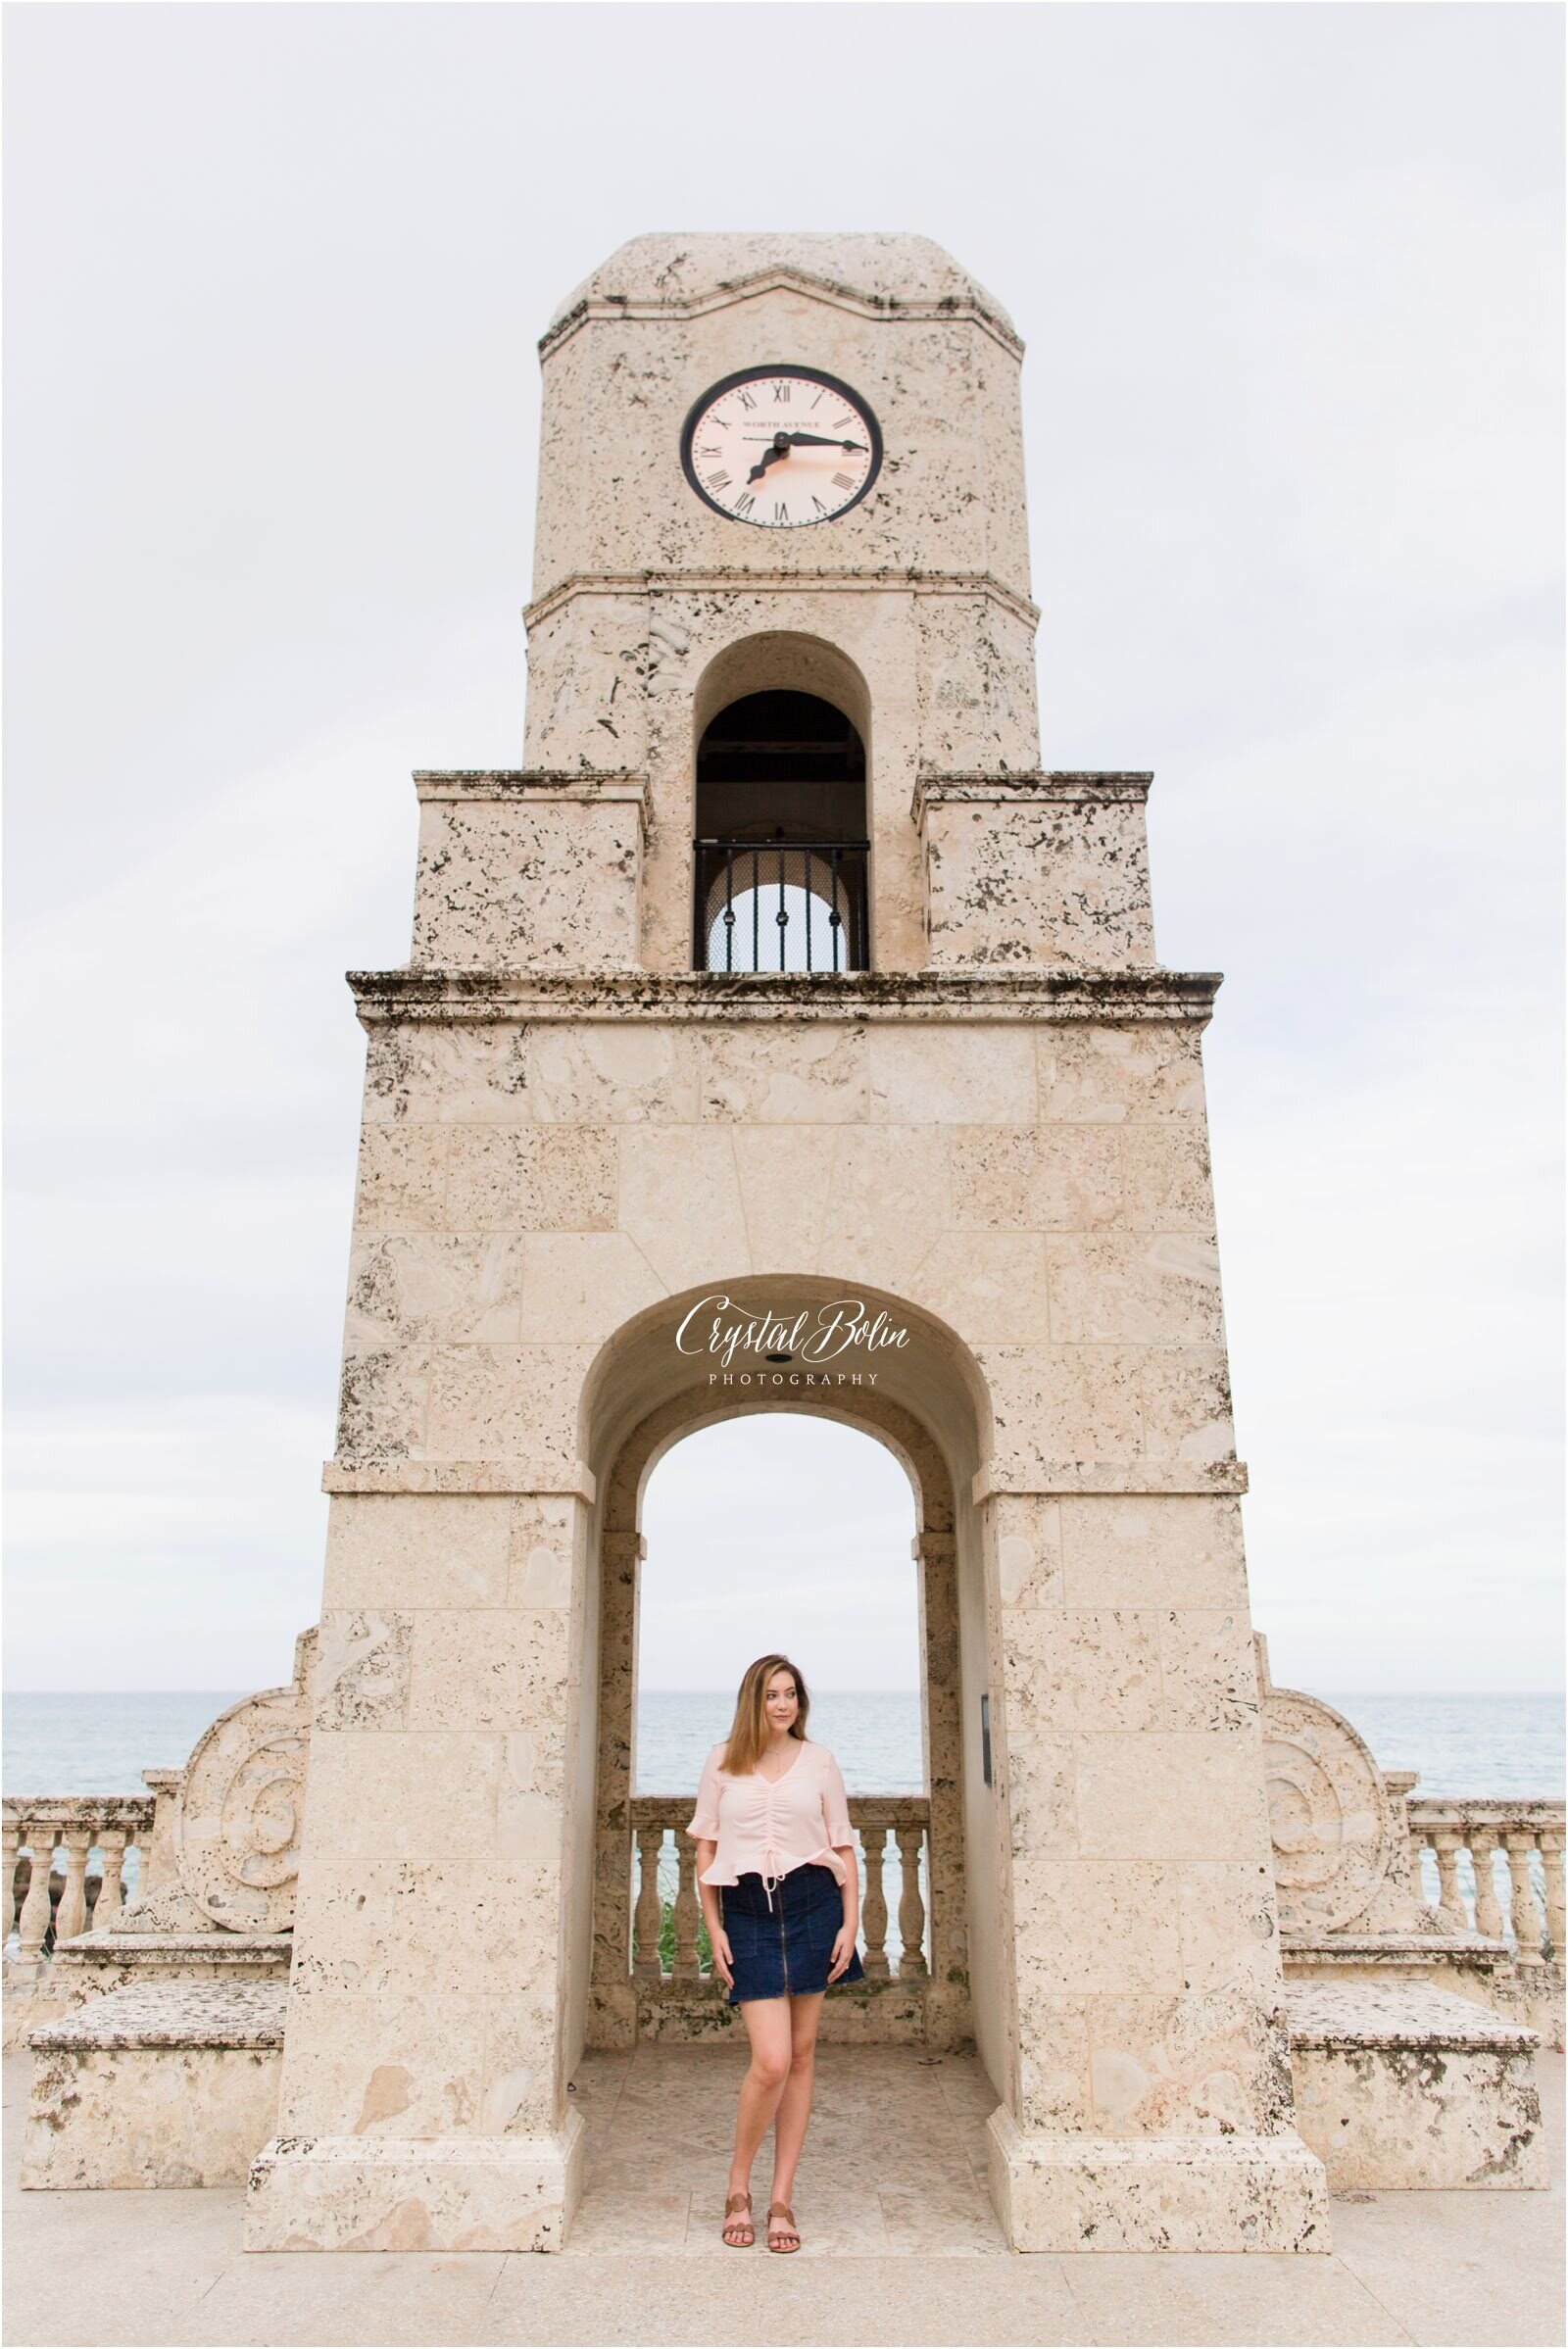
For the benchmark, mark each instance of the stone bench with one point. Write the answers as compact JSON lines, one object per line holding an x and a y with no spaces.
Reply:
{"x":1401,"y":2084}
{"x":171,"y":2086}
{"x":114,"y":1959}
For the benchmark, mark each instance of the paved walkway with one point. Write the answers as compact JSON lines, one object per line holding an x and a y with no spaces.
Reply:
{"x":900,"y":2248}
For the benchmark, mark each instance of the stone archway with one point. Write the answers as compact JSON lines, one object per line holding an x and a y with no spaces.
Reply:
{"x":925,"y":1400}
{"x":935,"y":2009}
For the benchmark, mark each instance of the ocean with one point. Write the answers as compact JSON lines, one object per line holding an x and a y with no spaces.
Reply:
{"x":100,"y":1744}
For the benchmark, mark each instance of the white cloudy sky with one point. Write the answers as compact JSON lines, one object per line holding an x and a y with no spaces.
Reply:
{"x":1290,"y":279}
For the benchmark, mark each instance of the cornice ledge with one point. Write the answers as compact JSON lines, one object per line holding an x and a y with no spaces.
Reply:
{"x":1118,"y":998}
{"x":777,"y":277}
{"x":459,"y":1476}
{"x":738,"y":582}
{"x":1130,"y":1477}
{"x":1029,"y":786}
{"x":471,"y":783}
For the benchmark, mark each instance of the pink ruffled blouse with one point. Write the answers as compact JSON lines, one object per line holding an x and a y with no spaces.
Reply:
{"x":769,"y":1827}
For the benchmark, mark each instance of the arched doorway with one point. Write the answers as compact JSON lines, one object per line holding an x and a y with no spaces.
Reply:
{"x":921,"y":1399}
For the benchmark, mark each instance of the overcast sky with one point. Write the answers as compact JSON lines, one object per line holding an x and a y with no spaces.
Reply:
{"x":1290,"y":281}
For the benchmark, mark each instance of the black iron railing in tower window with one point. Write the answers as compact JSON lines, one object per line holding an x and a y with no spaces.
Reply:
{"x":780,"y":905}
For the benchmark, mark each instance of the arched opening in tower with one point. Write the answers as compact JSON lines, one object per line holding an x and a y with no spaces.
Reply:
{"x":781,"y":846}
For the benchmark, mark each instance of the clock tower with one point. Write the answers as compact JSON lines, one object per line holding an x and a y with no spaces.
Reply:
{"x":782,"y":987}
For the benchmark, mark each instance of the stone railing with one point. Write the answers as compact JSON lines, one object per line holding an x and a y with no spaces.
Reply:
{"x":656,"y":1818}
{"x":57,"y":1907}
{"x":1499,"y":1868}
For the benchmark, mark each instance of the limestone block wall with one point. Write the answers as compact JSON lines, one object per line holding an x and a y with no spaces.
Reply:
{"x":1148,"y":1950}
{"x":433,"y":1877}
{"x":528,"y":871}
{"x":1036,"y":869}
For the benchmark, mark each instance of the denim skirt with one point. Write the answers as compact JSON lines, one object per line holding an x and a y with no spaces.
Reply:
{"x":787,"y":1949}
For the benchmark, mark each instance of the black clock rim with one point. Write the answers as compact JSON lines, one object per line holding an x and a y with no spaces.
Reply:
{"x":797,"y":373}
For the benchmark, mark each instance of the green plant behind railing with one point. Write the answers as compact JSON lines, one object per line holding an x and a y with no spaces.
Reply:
{"x":667,"y":1940}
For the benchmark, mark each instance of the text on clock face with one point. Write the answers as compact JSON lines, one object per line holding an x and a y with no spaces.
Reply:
{"x":781,"y":448}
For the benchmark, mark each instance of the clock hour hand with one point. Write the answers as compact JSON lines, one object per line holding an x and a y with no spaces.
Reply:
{"x":780,"y":448}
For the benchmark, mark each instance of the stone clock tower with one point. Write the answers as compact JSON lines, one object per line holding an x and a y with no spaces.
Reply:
{"x":781,"y":976}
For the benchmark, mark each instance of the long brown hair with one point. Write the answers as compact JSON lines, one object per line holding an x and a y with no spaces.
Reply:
{"x":749,"y":1731}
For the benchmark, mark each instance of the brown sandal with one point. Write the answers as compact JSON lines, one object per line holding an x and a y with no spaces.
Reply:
{"x":788,"y":2229}
{"x":731,"y":2229}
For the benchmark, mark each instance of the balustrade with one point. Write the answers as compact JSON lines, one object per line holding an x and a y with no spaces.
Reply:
{"x":1511,"y":1848}
{"x":662,"y":1878}
{"x":58,"y":1906}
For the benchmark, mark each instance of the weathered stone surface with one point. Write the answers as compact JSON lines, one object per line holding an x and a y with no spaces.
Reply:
{"x":1401,"y":2085}
{"x":237,"y":1823}
{"x":466,"y":2193}
{"x":1328,"y":1814}
{"x":98,"y":1963}
{"x":528,"y":871}
{"x":1208,"y":2193}
{"x":1036,"y":868}
{"x":167,"y":2086}
{"x":229,"y":2014}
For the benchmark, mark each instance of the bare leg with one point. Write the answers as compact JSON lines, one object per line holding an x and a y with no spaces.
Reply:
{"x":795,"y":2105}
{"x":767,"y":2025}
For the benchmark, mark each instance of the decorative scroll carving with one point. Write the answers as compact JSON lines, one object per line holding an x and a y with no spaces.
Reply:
{"x":1330,"y":1813}
{"x":241,"y":1806}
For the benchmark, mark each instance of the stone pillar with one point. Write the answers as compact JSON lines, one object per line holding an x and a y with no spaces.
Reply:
{"x":1152,"y":2106}
{"x":423,"y":2094}
{"x":613,"y":2002}
{"x":1552,"y":1841}
{"x":949,"y":2019}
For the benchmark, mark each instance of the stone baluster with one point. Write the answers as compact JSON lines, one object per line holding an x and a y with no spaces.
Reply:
{"x":1482,"y":1842}
{"x":647,"y":1916}
{"x":12,"y":1855}
{"x":1445,"y":1844}
{"x":1523,"y":1910}
{"x":911,"y":1908}
{"x":688,"y":1910}
{"x":110,"y":1899}
{"x":1551,"y":1840}
{"x":33,"y":1927}
{"x":874,"y":1911}
{"x":70,"y":1918}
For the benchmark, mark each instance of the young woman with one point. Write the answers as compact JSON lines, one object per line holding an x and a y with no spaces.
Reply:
{"x":781,"y":1894}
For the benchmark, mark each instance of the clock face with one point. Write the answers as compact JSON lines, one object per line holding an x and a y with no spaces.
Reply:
{"x":781,"y":446}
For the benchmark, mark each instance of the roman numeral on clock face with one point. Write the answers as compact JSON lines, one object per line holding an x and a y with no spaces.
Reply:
{"x":744,"y":504}
{"x":719,"y":480}
{"x":841,"y":481}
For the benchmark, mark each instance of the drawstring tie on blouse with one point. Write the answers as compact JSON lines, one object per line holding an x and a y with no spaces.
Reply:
{"x":769,"y":1851}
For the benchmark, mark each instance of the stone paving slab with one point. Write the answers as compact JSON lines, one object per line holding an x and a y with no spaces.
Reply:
{"x":166,"y":2272}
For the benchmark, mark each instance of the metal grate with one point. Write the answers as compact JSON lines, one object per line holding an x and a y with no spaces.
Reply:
{"x":777,"y":905}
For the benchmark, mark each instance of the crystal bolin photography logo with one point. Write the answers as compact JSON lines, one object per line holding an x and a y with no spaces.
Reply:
{"x":846,"y":1324}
